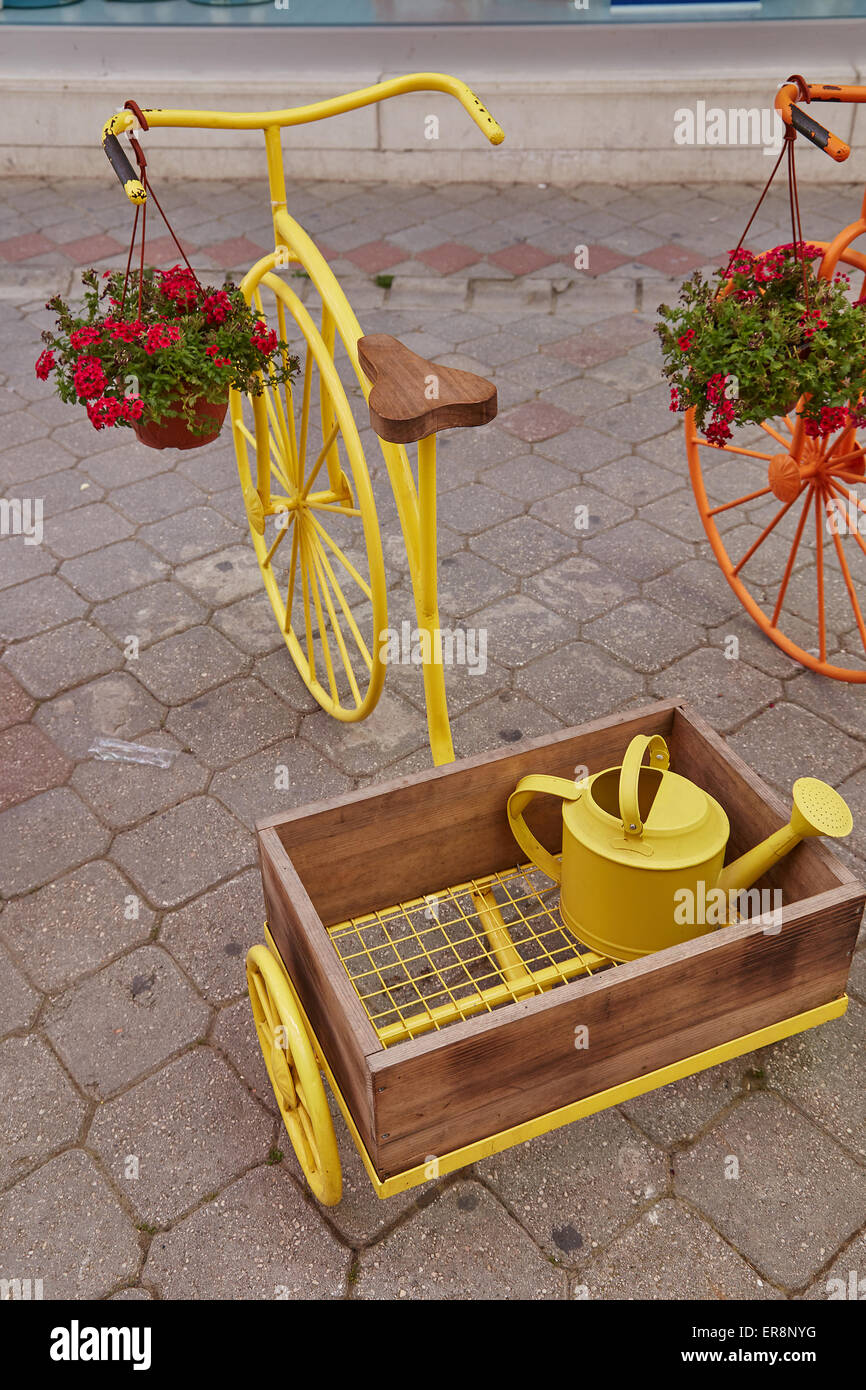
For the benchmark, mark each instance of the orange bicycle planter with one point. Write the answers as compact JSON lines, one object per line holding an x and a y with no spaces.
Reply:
{"x":792,"y":546}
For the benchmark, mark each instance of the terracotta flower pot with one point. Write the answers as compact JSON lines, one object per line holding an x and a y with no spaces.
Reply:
{"x":174,"y":432}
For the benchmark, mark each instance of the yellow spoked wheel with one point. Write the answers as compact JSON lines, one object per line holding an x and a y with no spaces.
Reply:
{"x":294,"y":1074}
{"x":309,"y":500}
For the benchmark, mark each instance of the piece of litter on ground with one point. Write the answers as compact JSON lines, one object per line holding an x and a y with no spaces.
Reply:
{"x":114,"y":750}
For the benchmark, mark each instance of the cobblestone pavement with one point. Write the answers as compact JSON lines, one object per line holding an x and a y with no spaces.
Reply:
{"x":128,"y":1037}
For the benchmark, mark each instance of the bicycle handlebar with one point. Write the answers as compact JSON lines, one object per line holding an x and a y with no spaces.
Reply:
{"x":294,"y":115}
{"x":797,"y":90}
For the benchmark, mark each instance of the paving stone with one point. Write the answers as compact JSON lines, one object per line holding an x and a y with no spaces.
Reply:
{"x":232,"y":721}
{"x":646,"y":415}
{"x":582,"y":511}
{"x":798,"y":1196}
{"x":498,"y":722}
{"x":821,"y":1072}
{"x":85,"y":529}
{"x":575,"y":1188}
{"x":177,"y":854}
{"x":472,"y":508}
{"x":187,"y":535}
{"x":695,"y":589}
{"x":156,"y":611}
{"x":125,"y":793}
{"x":465,"y":582}
{"x":20,"y":561}
{"x":390,"y":732}
{"x":670,"y":1254}
{"x":198,"y":1094}
{"x":116,"y":464}
{"x":724,"y":692}
{"x":40,"y":1110}
{"x":579,"y":588}
{"x":677,"y":1113}
{"x":643,"y":635}
{"x":43,"y":837}
{"x":785,"y":742}
{"x":579,"y":682}
{"x":608,"y":339}
{"x":186,"y":665}
{"x":582,"y":449}
{"x":15,"y":704}
{"x":152,"y":499}
{"x":221,"y":578}
{"x":37,"y":606}
{"x":526,"y":478}
{"x":278,"y":779}
{"x":29,"y":763}
{"x":638,"y":550}
{"x":35,"y":459}
{"x":64,"y":1225}
{"x":75,"y":924}
{"x":523,"y":546}
{"x":520,"y":629}
{"x":53,"y":661}
{"x":634,"y":480}
{"x":250,"y":625}
{"x":19,"y":1002}
{"x":464,"y":1245}
{"x":118,"y":1025}
{"x":838,"y":701}
{"x":257,"y":1239}
{"x":113,"y":570}
{"x":115,"y":706}
{"x":857,"y":977}
{"x":211,"y":935}
{"x":536,"y":421}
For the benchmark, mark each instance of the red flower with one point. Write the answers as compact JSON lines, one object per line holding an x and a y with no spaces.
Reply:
{"x":160,"y":335}
{"x":84,"y":337}
{"x":265,"y":339}
{"x":45,"y":364}
{"x":217,"y":307}
{"x":133,"y":408}
{"x":212,"y":351}
{"x":123,"y":331}
{"x":104,"y":413}
{"x":88,"y":378}
{"x":179,"y":285}
{"x":683,"y":343}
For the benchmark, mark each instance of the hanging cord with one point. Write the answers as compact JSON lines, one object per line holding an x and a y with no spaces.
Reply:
{"x":149,"y":193}
{"x":790,"y":136}
{"x":796,"y":225}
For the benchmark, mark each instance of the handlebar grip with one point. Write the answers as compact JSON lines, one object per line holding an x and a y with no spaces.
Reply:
{"x":132,"y":185}
{"x":824,"y":139}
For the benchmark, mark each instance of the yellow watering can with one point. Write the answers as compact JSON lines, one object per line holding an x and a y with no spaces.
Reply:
{"x":635,"y":836}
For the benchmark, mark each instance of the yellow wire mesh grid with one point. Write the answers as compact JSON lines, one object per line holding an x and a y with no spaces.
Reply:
{"x":460,"y":951}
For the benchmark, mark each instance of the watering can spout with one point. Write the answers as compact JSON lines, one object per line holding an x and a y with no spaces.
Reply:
{"x":818,"y":810}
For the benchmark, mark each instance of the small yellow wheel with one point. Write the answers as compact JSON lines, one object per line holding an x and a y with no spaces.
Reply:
{"x":294,"y":1074}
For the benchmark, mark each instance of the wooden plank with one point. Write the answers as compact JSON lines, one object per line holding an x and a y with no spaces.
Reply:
{"x":476,"y":1078}
{"x":367,"y":850}
{"x":336,"y":1014}
{"x":412,"y":398}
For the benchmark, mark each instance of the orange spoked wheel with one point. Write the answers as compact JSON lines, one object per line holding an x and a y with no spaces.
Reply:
{"x":787,"y":524}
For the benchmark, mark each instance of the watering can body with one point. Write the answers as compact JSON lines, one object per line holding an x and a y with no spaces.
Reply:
{"x":632,"y":838}
{"x":638,"y":839}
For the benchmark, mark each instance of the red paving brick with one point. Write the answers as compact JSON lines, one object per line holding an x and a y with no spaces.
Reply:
{"x":375,"y":256}
{"x":449,"y":257}
{"x":673,"y":260}
{"x":601,"y":342}
{"x":15,"y":705}
{"x":521,"y":259}
{"x":21,"y":248}
{"x":91,"y":248}
{"x":537,"y":420}
{"x":600,"y":259}
{"x":29,"y":763}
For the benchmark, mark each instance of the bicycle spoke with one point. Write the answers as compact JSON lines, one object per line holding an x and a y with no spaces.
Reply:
{"x":334,"y":510}
{"x":750,"y":497}
{"x":789,"y":568}
{"x":763,"y":536}
{"x":819,"y":545}
{"x":347,"y":612}
{"x":293,"y":568}
{"x":323,"y":632}
{"x":346,"y":563}
{"x":323,"y":454}
{"x":862,"y":507}
{"x":281,"y":535}
{"x":735,"y":449}
{"x":307,"y":620}
{"x":337,"y":630}
{"x":780,"y":438}
{"x":849,"y":585}
{"x":305,"y":411}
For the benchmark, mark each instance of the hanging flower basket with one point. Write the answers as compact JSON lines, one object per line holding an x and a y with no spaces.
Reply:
{"x":162,"y":358}
{"x":761,"y":337}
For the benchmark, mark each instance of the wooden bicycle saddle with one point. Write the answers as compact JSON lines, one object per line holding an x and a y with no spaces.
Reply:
{"x":412,"y":397}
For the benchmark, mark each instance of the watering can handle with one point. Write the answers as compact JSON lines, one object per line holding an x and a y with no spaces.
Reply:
{"x":629,"y":777}
{"x":526,"y":789}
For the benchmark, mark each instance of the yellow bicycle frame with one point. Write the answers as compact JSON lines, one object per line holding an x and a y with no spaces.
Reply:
{"x":416,"y":507}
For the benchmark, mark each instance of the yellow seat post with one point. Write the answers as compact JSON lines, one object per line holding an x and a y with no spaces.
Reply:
{"x":424,"y":584}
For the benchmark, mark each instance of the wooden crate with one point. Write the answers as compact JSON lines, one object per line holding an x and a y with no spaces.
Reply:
{"x":473,"y":1078}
